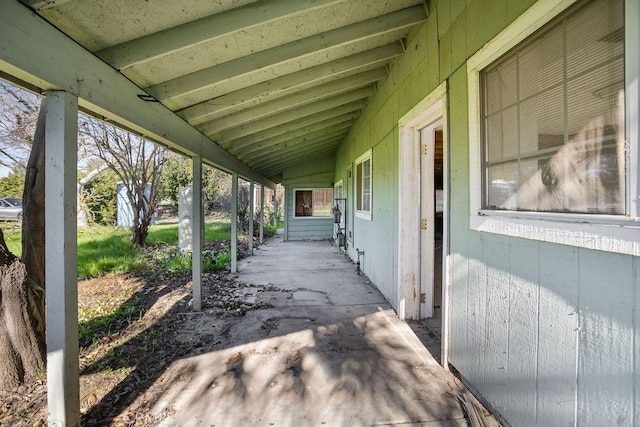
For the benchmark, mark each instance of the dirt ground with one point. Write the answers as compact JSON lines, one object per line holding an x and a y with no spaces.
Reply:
{"x":130,"y":350}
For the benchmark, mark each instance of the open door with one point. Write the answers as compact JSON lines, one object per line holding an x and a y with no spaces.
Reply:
{"x":431,"y":211}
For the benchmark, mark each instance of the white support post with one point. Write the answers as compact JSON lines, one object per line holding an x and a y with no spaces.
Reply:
{"x":197,"y":234}
{"x":275,"y":207}
{"x":262,"y":214}
{"x":252,"y":200}
{"x":234,"y":222}
{"x":285,"y":235}
{"x":61,"y":253}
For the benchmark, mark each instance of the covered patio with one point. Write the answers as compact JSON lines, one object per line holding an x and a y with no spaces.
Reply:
{"x":251,"y":88}
{"x":327,"y":349}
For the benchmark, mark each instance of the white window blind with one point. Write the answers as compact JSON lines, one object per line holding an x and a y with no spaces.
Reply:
{"x":553,"y":117}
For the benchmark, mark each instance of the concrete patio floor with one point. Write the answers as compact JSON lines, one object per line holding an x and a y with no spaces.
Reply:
{"x":328,"y":351}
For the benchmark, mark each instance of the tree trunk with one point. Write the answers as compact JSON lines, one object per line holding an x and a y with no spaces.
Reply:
{"x":22,"y":325}
{"x":33,"y":207}
{"x":21,"y":342}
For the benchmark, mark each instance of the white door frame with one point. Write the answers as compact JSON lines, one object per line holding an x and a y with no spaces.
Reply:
{"x":430,"y":109}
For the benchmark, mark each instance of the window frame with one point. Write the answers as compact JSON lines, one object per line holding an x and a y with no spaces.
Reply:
{"x":312,"y":216}
{"x":358,"y":192}
{"x":614,"y":233}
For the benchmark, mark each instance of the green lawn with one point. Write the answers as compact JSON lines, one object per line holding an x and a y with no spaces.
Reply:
{"x":12,"y":236}
{"x":103,"y":250}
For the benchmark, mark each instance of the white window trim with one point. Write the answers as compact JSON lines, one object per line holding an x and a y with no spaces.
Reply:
{"x":361,"y":213}
{"x":613,"y":233}
{"x":305,"y":218}
{"x":338,"y":184}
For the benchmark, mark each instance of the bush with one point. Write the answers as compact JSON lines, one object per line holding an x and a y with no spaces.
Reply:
{"x":99,"y":198}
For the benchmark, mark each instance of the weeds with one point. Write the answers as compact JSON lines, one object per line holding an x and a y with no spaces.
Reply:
{"x":173,"y":262}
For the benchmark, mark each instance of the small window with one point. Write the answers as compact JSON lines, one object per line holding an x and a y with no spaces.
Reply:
{"x":552,"y":110}
{"x":313,"y":203}
{"x":363,"y":185}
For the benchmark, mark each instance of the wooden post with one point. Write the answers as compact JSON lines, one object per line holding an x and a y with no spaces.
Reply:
{"x":285,"y":207}
{"x":234,"y":222}
{"x":61,"y":254}
{"x":197,"y":222}
{"x":275,"y":207}
{"x":252,"y":200}
{"x":261,"y":213}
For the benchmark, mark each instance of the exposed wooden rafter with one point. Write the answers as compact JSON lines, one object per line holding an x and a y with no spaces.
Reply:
{"x":211,"y":76}
{"x":259,"y":141}
{"x":246,"y":84}
{"x":298,"y":100}
{"x":297,"y":144}
{"x":284,"y":85}
{"x":257,"y":149}
{"x":356,"y":97}
{"x":154,"y":45}
{"x":44,"y":4}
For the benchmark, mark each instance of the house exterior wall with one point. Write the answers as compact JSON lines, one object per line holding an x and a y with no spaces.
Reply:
{"x":546,"y":333}
{"x":308,"y":175}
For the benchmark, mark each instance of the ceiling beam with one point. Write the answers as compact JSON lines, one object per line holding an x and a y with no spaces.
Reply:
{"x":292,"y":145}
{"x":283,"y":156}
{"x":282,"y":163}
{"x":352,"y":109}
{"x":102,"y":91}
{"x":288,"y":116}
{"x":315,"y":44}
{"x":43,"y":4}
{"x":134,"y":52}
{"x":297,"y":100}
{"x":256,"y":149}
{"x":275,"y":158}
{"x":259,"y":141}
{"x":225,"y":104}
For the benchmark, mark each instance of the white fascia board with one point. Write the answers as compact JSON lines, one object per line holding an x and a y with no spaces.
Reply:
{"x":34,"y":51}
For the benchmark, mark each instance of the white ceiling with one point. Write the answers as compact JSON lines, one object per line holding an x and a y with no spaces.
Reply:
{"x":272,"y":82}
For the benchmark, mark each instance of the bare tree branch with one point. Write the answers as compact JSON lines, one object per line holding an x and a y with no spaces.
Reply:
{"x":137,"y":163}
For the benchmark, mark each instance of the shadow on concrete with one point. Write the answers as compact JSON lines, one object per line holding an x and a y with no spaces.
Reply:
{"x":325,"y":348}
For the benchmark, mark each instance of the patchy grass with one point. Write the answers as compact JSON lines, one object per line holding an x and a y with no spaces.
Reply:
{"x":103,"y":250}
{"x":106,"y":250}
{"x":116,"y":307}
{"x":168,"y":233}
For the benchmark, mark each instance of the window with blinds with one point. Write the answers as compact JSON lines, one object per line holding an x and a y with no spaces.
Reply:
{"x":553,"y":117}
{"x":363,"y":185}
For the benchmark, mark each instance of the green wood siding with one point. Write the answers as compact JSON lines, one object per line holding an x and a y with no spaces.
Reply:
{"x":539,"y":329}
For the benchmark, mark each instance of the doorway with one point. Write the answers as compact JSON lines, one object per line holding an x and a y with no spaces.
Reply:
{"x":423,"y":238}
{"x":431,"y":221}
